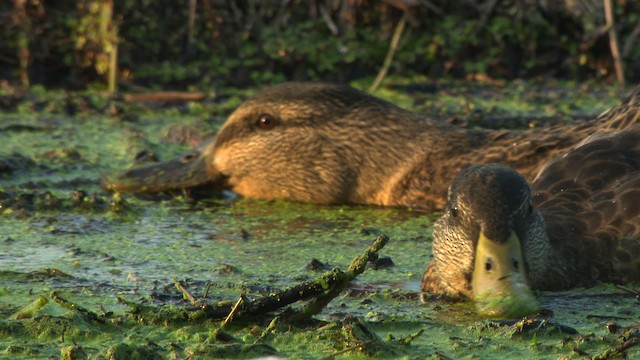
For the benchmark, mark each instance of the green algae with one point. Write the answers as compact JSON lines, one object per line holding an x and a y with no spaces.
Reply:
{"x":115,"y":255}
{"x":30,"y":309}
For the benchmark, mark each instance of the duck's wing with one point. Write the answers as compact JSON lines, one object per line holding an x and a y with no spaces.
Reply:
{"x":590,"y":199}
{"x":529,"y":151}
{"x":424,"y":187}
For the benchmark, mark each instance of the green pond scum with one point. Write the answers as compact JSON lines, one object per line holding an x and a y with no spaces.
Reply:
{"x":86,"y":274}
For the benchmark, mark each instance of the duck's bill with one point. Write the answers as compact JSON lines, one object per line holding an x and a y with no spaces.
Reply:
{"x":186,"y":172}
{"x":499,"y":282}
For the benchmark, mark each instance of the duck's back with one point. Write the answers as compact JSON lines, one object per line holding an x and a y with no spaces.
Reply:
{"x":621,"y":116}
{"x":590,"y":199}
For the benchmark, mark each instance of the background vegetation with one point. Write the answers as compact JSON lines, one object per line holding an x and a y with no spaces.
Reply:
{"x":191,"y":44}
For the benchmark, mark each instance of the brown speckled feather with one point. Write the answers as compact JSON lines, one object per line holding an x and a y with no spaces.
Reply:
{"x":525,"y":150}
{"x":590,"y":200}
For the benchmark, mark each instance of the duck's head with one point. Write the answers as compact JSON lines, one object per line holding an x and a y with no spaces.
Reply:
{"x":308,"y":142}
{"x":480,"y":242}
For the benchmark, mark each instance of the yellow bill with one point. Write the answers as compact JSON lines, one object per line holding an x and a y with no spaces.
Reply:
{"x":499,"y":282}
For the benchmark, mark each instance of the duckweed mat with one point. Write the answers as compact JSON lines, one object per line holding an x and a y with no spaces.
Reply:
{"x":88,"y":274}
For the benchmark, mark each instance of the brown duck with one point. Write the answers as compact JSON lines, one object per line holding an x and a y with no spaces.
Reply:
{"x":578,"y":223}
{"x":333,"y":144}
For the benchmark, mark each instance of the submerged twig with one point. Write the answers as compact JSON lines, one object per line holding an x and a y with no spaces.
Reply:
{"x":74,"y":307}
{"x":343,"y":351}
{"x":268,"y":330}
{"x":525,"y":325}
{"x":406,"y":340}
{"x":356,"y":331}
{"x":617,"y":350}
{"x":612,"y":317}
{"x":321,"y":291}
{"x":30,"y":309}
{"x":356,"y":268}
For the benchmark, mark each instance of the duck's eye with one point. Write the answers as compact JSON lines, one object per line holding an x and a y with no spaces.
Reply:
{"x":189,"y":157}
{"x":454,"y":211}
{"x":488,"y":265}
{"x":265,"y":121}
{"x":515,"y":263}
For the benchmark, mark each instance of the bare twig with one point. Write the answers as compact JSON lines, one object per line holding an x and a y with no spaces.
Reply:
{"x":185,"y":292}
{"x":191,"y":25}
{"x":233,"y":311}
{"x":395,"y":39}
{"x":165,"y":96}
{"x":327,"y":19}
{"x":432,"y":7}
{"x":631,"y":39}
{"x":489,"y":6}
{"x":206,"y":292}
{"x":629,"y":290}
{"x":613,"y":41}
{"x":23,"y":20}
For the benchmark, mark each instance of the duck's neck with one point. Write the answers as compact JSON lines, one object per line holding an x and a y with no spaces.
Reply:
{"x":422,"y":182}
{"x":552,"y":266}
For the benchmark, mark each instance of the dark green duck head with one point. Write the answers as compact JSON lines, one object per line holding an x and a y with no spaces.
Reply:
{"x":480,"y":243}
{"x":308,"y":142}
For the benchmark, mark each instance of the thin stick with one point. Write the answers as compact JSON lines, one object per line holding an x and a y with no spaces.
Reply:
{"x":166,"y":96}
{"x":268,"y":330}
{"x":185,"y":292}
{"x":631,"y":39}
{"x":191,"y":25}
{"x":24,"y":21}
{"x":397,"y":34}
{"x":206,"y":292}
{"x":613,"y":41}
{"x":233,"y":311}
{"x":327,"y":19}
{"x":629,"y":290}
